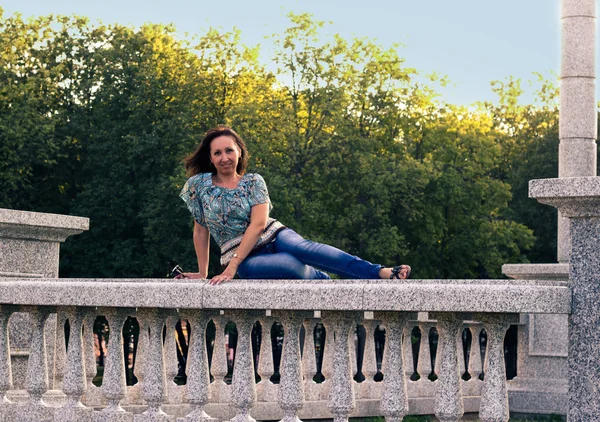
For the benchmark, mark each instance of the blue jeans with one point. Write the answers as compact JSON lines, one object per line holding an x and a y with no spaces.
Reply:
{"x":290,"y":256}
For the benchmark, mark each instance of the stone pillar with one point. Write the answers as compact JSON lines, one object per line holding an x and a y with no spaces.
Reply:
{"x":578,"y":120}
{"x":291,"y":386}
{"x":29,"y":247}
{"x":542,"y":354}
{"x":579,"y":200}
{"x":341,"y":393}
{"x":394,"y":398}
{"x":448,"y":400}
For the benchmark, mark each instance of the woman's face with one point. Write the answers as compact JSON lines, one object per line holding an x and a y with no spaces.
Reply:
{"x":225,"y":155}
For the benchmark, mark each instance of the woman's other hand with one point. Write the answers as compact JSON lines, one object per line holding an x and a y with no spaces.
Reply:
{"x":190,"y":275}
{"x":224,"y":276}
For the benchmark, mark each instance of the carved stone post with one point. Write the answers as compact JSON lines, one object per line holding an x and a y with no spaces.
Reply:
{"x":394,"y":400}
{"x":36,"y":380}
{"x":475,"y":365}
{"x":154,"y":386}
{"x":448,"y":401}
{"x":494,"y":396}
{"x":174,"y":392}
{"x":265,"y":388}
{"x":309,"y":361}
{"x":74,"y":382}
{"x":408,"y":363}
{"x":220,"y":391}
{"x":424,"y":363}
{"x":370,"y":389}
{"x":328,"y":351}
{"x":198,"y":378}
{"x":243,"y":393}
{"x":291,"y":388}
{"x":341,"y":395}
{"x":91,"y":395}
{"x":114,"y":383}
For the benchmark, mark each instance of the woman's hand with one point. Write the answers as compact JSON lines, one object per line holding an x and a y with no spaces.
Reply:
{"x":226,"y":275}
{"x":190,"y":275}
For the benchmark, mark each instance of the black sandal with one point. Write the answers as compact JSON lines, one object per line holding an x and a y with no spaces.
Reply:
{"x":396,"y":272}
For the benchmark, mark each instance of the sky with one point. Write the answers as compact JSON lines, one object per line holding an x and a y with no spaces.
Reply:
{"x":473,"y":42}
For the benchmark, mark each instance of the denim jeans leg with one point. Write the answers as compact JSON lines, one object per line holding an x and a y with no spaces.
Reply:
{"x":325,"y":257}
{"x":274,"y":266}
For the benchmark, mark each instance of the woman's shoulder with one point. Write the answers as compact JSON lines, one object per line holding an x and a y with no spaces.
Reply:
{"x":253,"y":177}
{"x":200,"y":179}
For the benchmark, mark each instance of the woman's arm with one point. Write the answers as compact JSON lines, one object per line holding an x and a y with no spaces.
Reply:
{"x":202,"y":246}
{"x":259,"y":215}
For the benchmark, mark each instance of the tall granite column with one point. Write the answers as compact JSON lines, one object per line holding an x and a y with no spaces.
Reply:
{"x":578,"y":120}
{"x":578,"y":199}
{"x":542,"y":365}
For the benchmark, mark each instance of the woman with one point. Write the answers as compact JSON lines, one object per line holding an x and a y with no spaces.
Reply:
{"x":233,"y":207}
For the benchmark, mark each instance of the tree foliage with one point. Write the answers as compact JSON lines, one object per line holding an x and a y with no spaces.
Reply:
{"x":355,"y":146}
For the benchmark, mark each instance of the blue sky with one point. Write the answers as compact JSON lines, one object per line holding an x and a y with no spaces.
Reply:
{"x":471,"y":41}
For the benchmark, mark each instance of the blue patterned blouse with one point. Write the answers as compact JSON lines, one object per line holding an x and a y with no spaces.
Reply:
{"x":225,"y":212}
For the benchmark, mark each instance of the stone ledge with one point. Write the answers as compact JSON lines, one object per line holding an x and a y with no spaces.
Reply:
{"x":503,"y":296}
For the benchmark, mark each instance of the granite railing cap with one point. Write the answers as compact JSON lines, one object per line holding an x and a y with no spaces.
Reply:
{"x":573,"y":196}
{"x":500,"y":296}
{"x":556,"y":271}
{"x":40,"y":226}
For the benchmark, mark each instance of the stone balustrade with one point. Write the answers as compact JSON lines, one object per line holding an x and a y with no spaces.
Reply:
{"x":66,"y":393}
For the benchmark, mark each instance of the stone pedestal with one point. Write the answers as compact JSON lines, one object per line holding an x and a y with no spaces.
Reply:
{"x":578,"y":199}
{"x":29,"y":247}
{"x":541,"y":382}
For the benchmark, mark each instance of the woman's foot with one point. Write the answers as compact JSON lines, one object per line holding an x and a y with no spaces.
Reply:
{"x":399,"y":272}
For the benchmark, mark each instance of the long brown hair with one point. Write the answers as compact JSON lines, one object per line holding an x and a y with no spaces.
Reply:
{"x":199,"y":161}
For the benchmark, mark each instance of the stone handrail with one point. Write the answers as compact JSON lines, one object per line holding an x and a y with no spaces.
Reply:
{"x":342,"y":304}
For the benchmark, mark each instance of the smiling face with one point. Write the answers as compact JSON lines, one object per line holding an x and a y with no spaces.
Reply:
{"x":225,"y":155}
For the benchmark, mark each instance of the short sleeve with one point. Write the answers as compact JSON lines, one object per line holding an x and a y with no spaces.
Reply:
{"x":258,"y":192}
{"x":189,"y":196}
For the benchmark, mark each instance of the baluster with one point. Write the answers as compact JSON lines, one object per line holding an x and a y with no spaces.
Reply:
{"x":494,"y":395}
{"x":354,"y":352}
{"x":424,"y":362}
{"x":198,"y":377}
{"x":74,"y":381}
{"x":58,"y":348}
{"x":220,"y":391}
{"x":243,"y":391}
{"x":174,"y":391}
{"x":309,"y":360}
{"x":114,"y":383}
{"x":394,"y":401}
{"x":36,"y":380}
{"x":265,"y":388}
{"x":89,"y":355}
{"x":328,"y":351}
{"x":6,"y":381}
{"x":448,"y":401}
{"x":341,"y":393}
{"x":475,"y":364}
{"x":135,"y":392}
{"x":155,"y":386}
{"x":370,"y":389}
{"x":291,"y":388}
